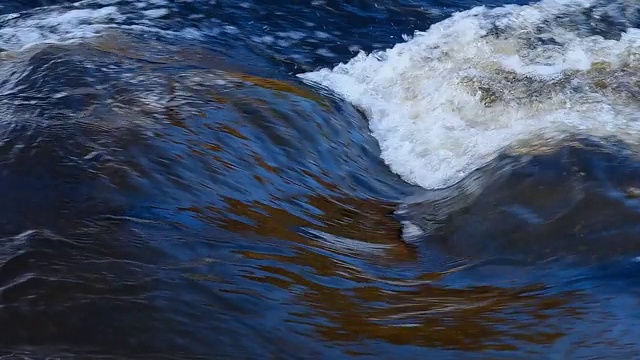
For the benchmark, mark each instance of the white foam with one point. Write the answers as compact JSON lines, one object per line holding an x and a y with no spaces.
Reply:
{"x":156,"y":13}
{"x":79,"y":21}
{"x":450,"y":99}
{"x":411,"y":232}
{"x":56,"y":25}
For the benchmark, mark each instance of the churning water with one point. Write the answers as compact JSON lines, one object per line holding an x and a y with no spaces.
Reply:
{"x":325,"y":179}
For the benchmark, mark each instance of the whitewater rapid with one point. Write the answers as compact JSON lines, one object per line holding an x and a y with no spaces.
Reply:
{"x":490,"y":81}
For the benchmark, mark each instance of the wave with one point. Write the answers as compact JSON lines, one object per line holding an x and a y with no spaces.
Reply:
{"x":72,"y":23}
{"x":505,"y":80}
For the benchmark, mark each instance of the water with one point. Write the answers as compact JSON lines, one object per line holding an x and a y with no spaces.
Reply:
{"x":327,"y":179}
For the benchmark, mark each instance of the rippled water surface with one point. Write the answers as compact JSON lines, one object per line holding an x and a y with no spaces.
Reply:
{"x":321,"y":179}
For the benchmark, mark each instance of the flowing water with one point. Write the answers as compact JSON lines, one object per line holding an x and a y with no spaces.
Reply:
{"x":324,"y":179}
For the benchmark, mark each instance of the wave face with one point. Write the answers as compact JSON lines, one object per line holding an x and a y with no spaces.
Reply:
{"x":168,"y":187}
{"x":490,"y":81}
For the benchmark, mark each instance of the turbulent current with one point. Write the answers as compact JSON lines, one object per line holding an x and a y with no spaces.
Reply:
{"x":325,"y":179}
{"x":490,"y":81}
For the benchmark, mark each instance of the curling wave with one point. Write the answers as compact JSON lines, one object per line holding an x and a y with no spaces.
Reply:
{"x":485,"y":82}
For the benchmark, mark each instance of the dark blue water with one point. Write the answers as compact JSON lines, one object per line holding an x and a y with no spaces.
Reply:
{"x":170,"y":189}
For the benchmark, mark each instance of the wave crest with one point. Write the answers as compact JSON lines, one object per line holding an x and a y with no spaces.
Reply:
{"x":492,"y":81}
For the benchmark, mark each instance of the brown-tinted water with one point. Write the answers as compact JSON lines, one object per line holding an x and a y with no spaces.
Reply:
{"x":171,"y":189}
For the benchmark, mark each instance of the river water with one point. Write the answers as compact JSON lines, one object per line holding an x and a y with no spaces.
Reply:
{"x":322,"y":179}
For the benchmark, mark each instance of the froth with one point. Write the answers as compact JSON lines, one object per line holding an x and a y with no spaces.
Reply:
{"x":488,"y":81}
{"x":76,"y":22}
